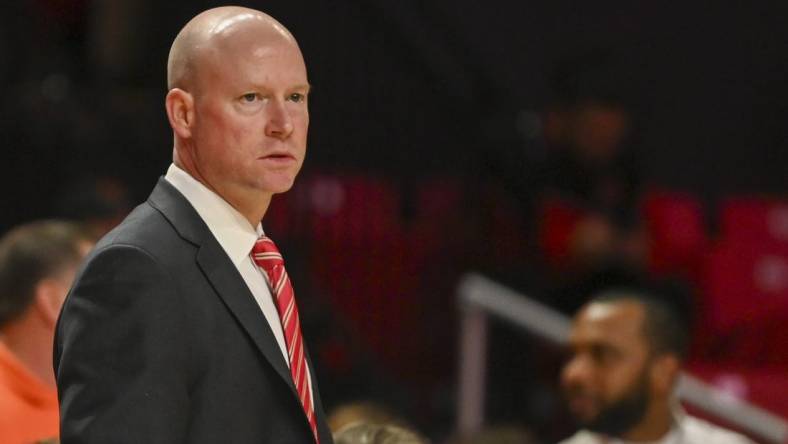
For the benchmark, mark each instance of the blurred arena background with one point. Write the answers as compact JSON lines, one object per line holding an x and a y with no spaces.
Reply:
{"x":555,"y":147}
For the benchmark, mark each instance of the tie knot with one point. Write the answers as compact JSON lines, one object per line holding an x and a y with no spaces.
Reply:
{"x":265,"y":254}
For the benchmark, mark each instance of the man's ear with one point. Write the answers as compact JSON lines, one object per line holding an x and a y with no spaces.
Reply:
{"x":180,"y":112}
{"x":664,"y":372}
{"x":49,"y":297}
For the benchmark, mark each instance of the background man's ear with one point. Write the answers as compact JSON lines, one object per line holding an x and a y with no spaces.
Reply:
{"x":49,"y":297}
{"x":180,"y":112}
{"x":664,"y":371}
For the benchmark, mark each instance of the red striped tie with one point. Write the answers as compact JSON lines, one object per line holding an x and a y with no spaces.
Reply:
{"x":267,"y":257}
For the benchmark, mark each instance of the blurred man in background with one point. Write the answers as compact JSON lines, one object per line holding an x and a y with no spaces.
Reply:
{"x":37,"y":265}
{"x":592,"y":175}
{"x":627,"y":351}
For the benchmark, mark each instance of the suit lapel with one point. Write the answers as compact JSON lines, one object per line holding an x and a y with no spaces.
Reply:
{"x":221,"y":273}
{"x":323,"y":431}
{"x":229,"y":285}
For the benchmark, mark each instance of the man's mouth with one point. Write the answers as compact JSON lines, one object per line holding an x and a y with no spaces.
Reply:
{"x":582,"y":406}
{"x":279,"y":157}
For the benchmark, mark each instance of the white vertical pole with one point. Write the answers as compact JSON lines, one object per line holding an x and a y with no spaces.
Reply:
{"x":473,"y":363}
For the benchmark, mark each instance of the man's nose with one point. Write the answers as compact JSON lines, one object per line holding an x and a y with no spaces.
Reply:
{"x":574,"y":372}
{"x":279,"y":124}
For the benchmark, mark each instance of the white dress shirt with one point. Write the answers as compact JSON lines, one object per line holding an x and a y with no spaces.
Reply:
{"x":686,"y":430}
{"x":237,"y":237}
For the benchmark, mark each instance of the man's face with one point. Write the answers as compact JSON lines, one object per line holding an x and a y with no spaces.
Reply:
{"x":57,"y":286}
{"x":598,"y":131}
{"x":251,"y":116}
{"x":607,"y":381}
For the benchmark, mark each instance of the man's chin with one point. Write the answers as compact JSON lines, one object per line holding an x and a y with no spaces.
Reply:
{"x":618,"y":418}
{"x":584,"y":420}
{"x":277,"y":185}
{"x":584,"y":409}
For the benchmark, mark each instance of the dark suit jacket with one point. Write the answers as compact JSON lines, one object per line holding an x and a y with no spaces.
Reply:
{"x":161,"y":341}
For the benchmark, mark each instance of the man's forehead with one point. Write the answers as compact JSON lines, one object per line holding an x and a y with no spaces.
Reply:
{"x":248,"y":32}
{"x":252,"y":46}
{"x":230,"y":25}
{"x":219,"y":35}
{"x":250,"y":39}
{"x":609,"y":322}
{"x":227,"y":20}
{"x":251,"y":63}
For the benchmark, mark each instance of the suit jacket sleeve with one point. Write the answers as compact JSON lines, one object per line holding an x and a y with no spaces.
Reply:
{"x":121,"y":353}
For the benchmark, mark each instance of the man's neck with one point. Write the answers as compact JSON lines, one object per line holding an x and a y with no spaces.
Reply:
{"x":656,"y":424}
{"x":252,"y":209}
{"x":252,"y":206}
{"x":32,"y":346}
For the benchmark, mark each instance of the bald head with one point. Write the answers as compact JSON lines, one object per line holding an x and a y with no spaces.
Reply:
{"x":237,"y":104}
{"x":213,"y":33}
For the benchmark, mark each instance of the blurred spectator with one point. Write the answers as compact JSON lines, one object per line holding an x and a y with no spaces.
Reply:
{"x":591,"y":176}
{"x":371,"y":433}
{"x":365,"y":412}
{"x":37,"y":265}
{"x":627,"y":352}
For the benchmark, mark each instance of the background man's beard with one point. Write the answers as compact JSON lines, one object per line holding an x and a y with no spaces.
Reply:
{"x":620,"y":416}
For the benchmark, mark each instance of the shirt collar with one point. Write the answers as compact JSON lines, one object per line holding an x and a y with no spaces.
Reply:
{"x":231,"y":229}
{"x":670,"y":438}
{"x":673,"y":435}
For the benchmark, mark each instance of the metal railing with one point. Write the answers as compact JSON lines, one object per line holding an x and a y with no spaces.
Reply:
{"x":480,"y":298}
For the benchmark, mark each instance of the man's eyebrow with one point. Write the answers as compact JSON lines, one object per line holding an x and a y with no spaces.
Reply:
{"x":300,"y":87}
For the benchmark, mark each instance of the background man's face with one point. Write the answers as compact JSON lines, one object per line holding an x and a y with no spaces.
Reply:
{"x":607,"y":381}
{"x":251,"y":114}
{"x":55,"y":287}
{"x":597,"y":131}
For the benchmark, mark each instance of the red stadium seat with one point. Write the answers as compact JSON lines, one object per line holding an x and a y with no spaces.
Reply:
{"x":764,"y":387}
{"x":745,"y":303}
{"x":367,"y":262}
{"x":375,"y":288}
{"x":754,"y":218}
{"x":348,"y":209}
{"x":439,"y":222}
{"x":558,"y":219}
{"x":504,"y":223}
{"x":677,"y":230}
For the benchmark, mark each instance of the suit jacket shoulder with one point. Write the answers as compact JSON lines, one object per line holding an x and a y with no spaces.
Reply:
{"x":160,"y":341}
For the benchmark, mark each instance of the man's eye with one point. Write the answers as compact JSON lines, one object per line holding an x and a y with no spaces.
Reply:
{"x":249,"y":97}
{"x":296,"y":97}
{"x":602,"y":354}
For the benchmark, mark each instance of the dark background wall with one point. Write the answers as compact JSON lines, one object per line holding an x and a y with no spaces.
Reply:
{"x":402,"y":88}
{"x":406,"y":90}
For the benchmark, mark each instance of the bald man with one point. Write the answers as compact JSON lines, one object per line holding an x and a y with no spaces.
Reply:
{"x":171,"y":333}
